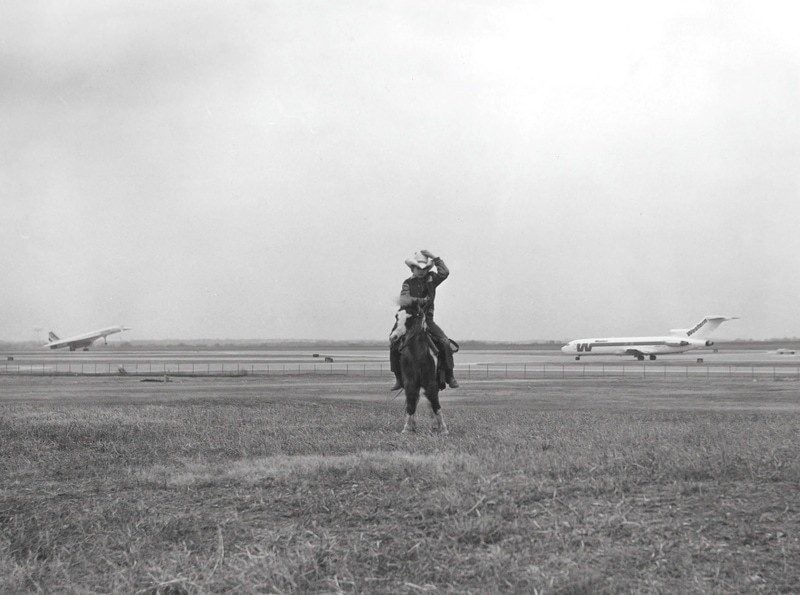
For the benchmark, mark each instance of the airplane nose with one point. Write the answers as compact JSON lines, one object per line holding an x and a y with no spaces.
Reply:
{"x":564,"y":348}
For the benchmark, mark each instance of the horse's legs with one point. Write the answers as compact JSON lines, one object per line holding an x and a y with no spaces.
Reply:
{"x":412,"y":397}
{"x":436,"y":410}
{"x":438,"y":423}
{"x":410,"y":425}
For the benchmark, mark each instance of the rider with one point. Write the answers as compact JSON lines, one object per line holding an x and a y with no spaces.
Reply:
{"x":420,"y":287}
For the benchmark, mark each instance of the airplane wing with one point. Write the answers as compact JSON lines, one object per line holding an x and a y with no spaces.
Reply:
{"x":638,"y":352}
{"x":677,"y":343}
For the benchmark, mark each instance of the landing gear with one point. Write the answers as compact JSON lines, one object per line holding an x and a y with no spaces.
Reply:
{"x":652,"y":357}
{"x":640,"y":357}
{"x":577,"y":357}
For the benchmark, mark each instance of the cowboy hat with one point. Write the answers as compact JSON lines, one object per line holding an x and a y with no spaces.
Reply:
{"x":419,"y":260}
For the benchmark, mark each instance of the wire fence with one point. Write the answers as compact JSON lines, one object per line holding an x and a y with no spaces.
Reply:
{"x":638,"y":370}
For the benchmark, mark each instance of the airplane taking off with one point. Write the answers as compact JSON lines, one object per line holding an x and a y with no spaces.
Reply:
{"x":678,"y":341}
{"x":85,"y":340}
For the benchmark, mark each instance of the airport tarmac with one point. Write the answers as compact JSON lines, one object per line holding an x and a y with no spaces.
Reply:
{"x":101,"y":353}
{"x":469,"y":363}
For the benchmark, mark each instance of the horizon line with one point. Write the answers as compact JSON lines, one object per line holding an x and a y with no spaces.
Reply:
{"x":363,"y":341}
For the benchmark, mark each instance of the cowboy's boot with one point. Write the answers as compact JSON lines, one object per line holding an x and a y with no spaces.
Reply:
{"x":398,"y":382}
{"x":394,"y":361}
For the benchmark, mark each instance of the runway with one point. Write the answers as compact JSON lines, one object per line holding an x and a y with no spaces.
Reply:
{"x":509,"y":363}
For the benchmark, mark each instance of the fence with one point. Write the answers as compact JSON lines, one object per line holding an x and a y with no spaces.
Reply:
{"x":637,"y":370}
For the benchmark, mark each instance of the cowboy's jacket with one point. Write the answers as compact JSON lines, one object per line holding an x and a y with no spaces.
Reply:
{"x":420,"y":287}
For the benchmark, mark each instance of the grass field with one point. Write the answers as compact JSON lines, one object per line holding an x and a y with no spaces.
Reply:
{"x":304,"y":485}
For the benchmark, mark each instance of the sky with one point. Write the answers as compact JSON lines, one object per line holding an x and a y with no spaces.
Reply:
{"x":262,"y":169}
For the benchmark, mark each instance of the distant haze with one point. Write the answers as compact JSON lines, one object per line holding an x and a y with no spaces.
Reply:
{"x":262,"y":170}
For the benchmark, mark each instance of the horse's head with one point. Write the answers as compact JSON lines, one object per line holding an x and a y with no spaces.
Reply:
{"x":407,"y":318}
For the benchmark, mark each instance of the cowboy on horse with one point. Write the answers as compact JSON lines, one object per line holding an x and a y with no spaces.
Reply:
{"x":420,"y":289}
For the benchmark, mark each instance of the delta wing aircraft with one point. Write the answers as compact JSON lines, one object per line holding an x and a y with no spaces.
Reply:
{"x":85,"y":340}
{"x":678,"y":341}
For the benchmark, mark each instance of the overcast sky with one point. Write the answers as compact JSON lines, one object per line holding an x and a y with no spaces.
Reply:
{"x":262,"y":169}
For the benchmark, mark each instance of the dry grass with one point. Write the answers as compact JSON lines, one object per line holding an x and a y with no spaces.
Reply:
{"x":298,"y":486}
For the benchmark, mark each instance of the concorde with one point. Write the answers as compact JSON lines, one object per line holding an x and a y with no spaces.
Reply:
{"x":678,"y":341}
{"x":85,"y":340}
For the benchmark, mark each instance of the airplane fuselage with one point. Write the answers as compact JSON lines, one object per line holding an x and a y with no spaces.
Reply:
{"x":638,"y":347}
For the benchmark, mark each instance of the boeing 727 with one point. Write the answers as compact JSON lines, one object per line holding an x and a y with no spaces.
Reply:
{"x":678,"y":341}
{"x":85,"y":340}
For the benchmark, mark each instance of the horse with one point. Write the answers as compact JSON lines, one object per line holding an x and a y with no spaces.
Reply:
{"x":418,"y":364}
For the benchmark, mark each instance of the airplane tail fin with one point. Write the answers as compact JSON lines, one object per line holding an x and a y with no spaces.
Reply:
{"x":52,"y":336}
{"x":704,"y":328}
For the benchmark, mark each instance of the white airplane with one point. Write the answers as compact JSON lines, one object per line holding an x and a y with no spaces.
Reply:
{"x":678,"y":341}
{"x":85,"y":340}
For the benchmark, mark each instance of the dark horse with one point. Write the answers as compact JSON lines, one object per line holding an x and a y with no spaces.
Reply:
{"x":418,"y":363}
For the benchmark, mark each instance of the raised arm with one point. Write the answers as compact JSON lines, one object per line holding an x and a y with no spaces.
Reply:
{"x":442,"y":272}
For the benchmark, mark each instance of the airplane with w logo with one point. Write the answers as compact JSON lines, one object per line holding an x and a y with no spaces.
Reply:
{"x":678,"y":341}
